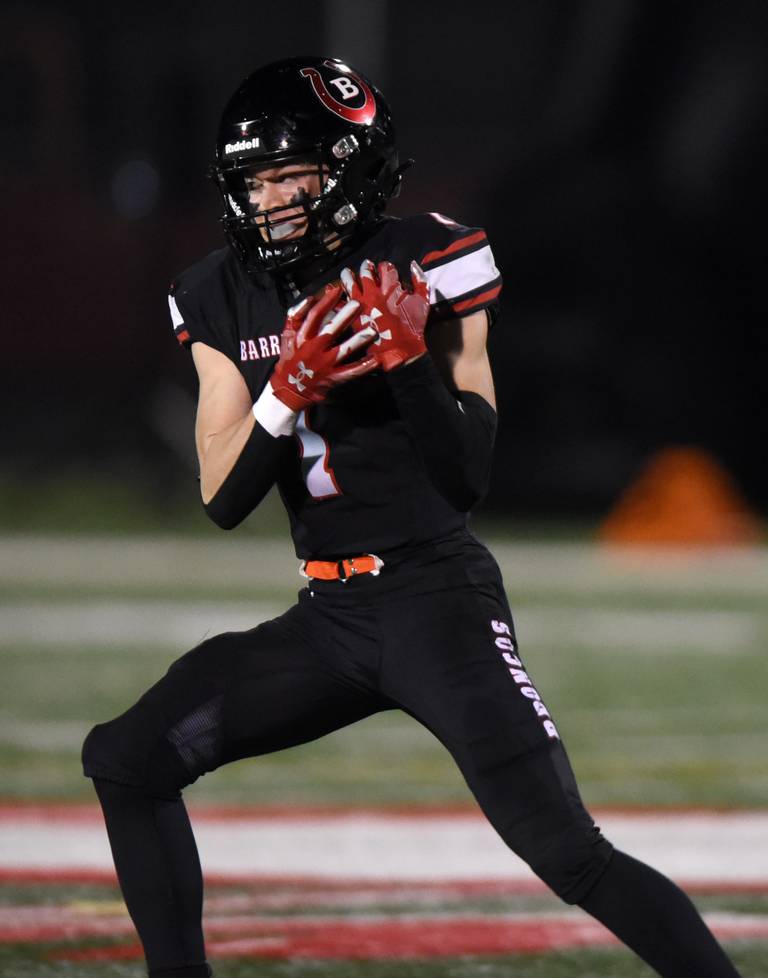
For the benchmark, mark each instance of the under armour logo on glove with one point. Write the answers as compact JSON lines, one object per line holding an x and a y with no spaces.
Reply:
{"x":302,"y":373}
{"x":312,"y":361}
{"x":399,"y":317}
{"x":384,"y":334}
{"x":375,"y":313}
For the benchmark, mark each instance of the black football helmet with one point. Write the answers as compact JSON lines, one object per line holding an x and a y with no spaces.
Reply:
{"x":309,"y":110}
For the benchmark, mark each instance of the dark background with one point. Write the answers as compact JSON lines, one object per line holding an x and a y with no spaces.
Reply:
{"x":615,"y":150}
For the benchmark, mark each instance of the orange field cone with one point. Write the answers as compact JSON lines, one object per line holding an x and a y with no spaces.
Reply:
{"x":683,"y":497}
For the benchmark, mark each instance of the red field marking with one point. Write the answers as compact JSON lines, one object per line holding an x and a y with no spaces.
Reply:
{"x":56,"y":811}
{"x":413,"y":938}
{"x":304,"y":884}
{"x":381,"y":939}
{"x":11,"y":809}
{"x":324,"y":885}
{"x":57,"y":876}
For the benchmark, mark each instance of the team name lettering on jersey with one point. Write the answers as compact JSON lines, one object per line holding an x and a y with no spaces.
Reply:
{"x":261,"y":347}
{"x":506,"y":645}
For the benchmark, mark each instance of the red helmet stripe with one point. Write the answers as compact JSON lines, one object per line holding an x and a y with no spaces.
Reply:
{"x":362,"y":116}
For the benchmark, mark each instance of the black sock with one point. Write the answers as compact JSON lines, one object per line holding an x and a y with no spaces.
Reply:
{"x":656,"y":920}
{"x":159,"y":872}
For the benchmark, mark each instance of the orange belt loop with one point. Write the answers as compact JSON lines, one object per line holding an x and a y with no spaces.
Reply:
{"x":341,"y":570}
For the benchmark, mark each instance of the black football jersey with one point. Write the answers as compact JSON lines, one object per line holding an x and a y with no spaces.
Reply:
{"x":355,"y":482}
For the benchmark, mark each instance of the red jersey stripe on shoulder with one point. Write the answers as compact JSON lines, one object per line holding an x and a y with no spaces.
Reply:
{"x":458,"y":245}
{"x":477,"y":300}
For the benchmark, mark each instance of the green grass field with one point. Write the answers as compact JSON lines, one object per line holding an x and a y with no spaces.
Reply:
{"x":577,"y":964}
{"x":653,"y":668}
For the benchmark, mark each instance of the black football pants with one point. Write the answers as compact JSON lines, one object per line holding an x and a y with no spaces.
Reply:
{"x":431,"y":635}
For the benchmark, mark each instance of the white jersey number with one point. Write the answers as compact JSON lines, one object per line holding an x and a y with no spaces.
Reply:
{"x":315,"y":461}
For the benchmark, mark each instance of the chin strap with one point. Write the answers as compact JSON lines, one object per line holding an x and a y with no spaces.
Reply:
{"x":397,"y":178}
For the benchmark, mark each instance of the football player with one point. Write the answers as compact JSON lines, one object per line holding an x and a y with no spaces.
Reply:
{"x":341,"y":355}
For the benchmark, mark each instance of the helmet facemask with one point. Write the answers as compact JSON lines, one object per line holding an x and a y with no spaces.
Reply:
{"x":258,"y":236}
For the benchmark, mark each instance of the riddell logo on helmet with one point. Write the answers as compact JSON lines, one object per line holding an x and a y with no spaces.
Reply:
{"x":240,"y":145}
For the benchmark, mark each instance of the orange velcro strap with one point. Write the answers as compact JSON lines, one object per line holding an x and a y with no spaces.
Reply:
{"x":342,"y":570}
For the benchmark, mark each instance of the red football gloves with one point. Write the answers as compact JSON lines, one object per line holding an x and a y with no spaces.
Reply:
{"x":398,"y":317}
{"x":311,"y":363}
{"x":391,"y":325}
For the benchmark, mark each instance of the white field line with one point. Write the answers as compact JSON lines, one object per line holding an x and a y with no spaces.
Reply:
{"x":172,"y":562}
{"x":111,"y":624}
{"x":41,"y":735}
{"x":658,"y":631}
{"x":119,"y":624}
{"x":695,"y":847}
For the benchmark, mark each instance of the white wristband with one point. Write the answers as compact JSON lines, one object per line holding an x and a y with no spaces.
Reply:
{"x":274,"y":416}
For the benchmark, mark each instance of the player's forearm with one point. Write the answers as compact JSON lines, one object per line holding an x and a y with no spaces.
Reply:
{"x":454,"y":432}
{"x":239,"y":465}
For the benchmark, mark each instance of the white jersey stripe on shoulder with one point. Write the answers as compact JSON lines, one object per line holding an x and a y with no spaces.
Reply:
{"x":462,"y":275}
{"x":176,"y":317}
{"x":442,"y":219}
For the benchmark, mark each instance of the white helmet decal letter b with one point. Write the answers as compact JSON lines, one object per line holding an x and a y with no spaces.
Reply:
{"x":346,"y":87}
{"x":341,"y":93}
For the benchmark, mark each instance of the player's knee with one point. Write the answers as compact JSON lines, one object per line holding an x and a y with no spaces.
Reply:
{"x":126,"y":751}
{"x":105,"y":755}
{"x":571,"y":861}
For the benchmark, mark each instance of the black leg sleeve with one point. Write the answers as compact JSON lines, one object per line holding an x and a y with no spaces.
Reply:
{"x":159,"y":872}
{"x":656,"y":920}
